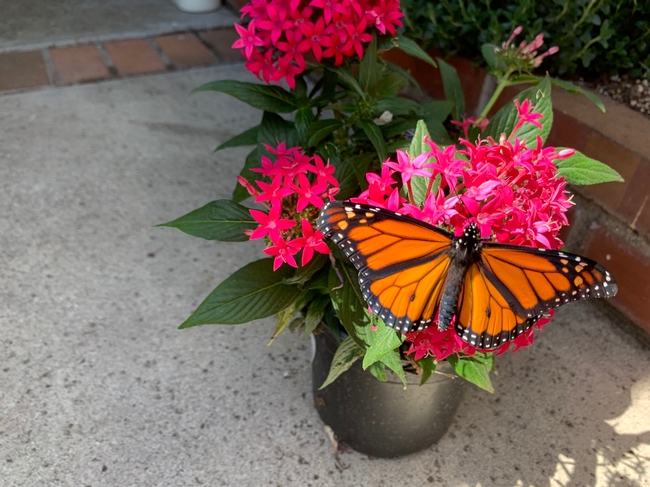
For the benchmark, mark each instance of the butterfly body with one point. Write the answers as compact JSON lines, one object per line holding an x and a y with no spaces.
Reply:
{"x":463,"y":252}
{"x":413,"y":274}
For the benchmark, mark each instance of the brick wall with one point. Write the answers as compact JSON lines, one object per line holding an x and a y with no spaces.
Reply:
{"x":611,"y":222}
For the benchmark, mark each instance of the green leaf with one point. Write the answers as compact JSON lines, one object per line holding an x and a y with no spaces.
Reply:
{"x":350,"y":173}
{"x":274,"y":129}
{"x":397,"y":127}
{"x":347,"y":353}
{"x":264,"y":97}
{"x":506,"y":118}
{"x":378,"y":369}
{"x":437,"y":110}
{"x":346,"y":76}
{"x":369,"y":67}
{"x":305,"y":273}
{"x":419,"y":184}
{"x":348,"y":303}
{"x":393,"y":362}
{"x":428,"y":368}
{"x":304,"y":119}
{"x":411,"y":48}
{"x":385,"y":340}
{"x":390,"y":84}
{"x":495,"y":62}
{"x":571,"y":88}
{"x":320,"y":129}
{"x":397,"y":106}
{"x":418,"y":146}
{"x":453,"y":89}
{"x":580,"y":169}
{"x":222,"y":220}
{"x":283,"y":319}
{"x":374,"y":134}
{"x":314,"y":314}
{"x":472,"y":370}
{"x":252,"y":161}
{"x":405,"y":75}
{"x":254,"y":291}
{"x":249,"y":137}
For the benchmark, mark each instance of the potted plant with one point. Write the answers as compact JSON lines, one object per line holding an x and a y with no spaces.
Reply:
{"x":349,"y":136}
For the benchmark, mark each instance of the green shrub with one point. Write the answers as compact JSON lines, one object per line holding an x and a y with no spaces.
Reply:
{"x":594,"y":36}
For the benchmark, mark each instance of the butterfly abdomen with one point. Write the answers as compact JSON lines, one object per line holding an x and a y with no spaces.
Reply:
{"x":464,"y":252}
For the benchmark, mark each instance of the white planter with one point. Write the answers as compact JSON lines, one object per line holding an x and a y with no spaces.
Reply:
{"x":197,"y":6}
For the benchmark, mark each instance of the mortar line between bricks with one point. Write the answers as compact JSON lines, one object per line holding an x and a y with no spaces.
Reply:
{"x":52,"y":74}
{"x":107,"y":60}
{"x":161,"y":54}
{"x":203,"y":40}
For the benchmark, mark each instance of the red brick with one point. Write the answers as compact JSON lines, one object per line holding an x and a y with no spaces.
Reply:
{"x":221,"y":41}
{"x":633,"y":205}
{"x":629,"y":266}
{"x":22,"y":70}
{"x":574,"y":214}
{"x":78,"y":63}
{"x":134,"y":56}
{"x":616,"y":156}
{"x":185,"y":50}
{"x":568,"y":132}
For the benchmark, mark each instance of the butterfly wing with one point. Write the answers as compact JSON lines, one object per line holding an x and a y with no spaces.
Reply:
{"x":402,"y":262}
{"x":511,"y":287}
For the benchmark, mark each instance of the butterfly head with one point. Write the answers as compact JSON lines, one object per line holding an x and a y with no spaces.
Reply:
{"x":472,"y":236}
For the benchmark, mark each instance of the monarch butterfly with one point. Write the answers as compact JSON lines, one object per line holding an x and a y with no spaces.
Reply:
{"x":412,"y":274}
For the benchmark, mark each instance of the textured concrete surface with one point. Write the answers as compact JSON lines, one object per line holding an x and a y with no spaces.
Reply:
{"x":98,"y":387}
{"x":34,"y":24}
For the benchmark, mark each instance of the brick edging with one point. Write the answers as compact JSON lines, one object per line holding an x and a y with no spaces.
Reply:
{"x":97,"y":61}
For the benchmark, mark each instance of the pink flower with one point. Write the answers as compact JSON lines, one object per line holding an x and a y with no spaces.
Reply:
{"x":510,"y":188}
{"x":291,"y":199}
{"x":409,"y":167}
{"x":248,"y":40}
{"x":386,"y":16}
{"x":282,"y":253}
{"x":273,"y":192}
{"x":324,"y":172}
{"x":314,"y":36}
{"x":308,"y":194}
{"x":270,"y":224}
{"x":311,"y":240}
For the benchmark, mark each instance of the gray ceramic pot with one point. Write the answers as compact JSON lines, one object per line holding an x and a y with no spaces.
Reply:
{"x":381,"y":418}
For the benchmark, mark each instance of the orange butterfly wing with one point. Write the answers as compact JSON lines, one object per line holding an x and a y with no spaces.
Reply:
{"x":402,"y":262}
{"x":511,"y":287}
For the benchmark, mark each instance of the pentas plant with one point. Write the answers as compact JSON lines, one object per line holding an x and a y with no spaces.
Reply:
{"x":281,"y":34}
{"x":512,"y":191}
{"x":316,"y":141}
{"x":292,"y":201}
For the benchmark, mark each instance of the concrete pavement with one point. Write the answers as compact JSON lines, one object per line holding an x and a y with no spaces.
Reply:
{"x":98,"y":387}
{"x":35,"y":24}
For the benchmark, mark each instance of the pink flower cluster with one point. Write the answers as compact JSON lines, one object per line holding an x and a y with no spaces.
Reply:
{"x":293,"y":201}
{"x":281,"y":32}
{"x":525,"y":55}
{"x":510,"y":190}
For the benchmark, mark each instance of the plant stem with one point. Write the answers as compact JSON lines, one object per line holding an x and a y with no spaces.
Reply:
{"x":501,"y":85}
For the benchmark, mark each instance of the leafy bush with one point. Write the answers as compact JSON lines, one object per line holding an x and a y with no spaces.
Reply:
{"x":594,"y":36}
